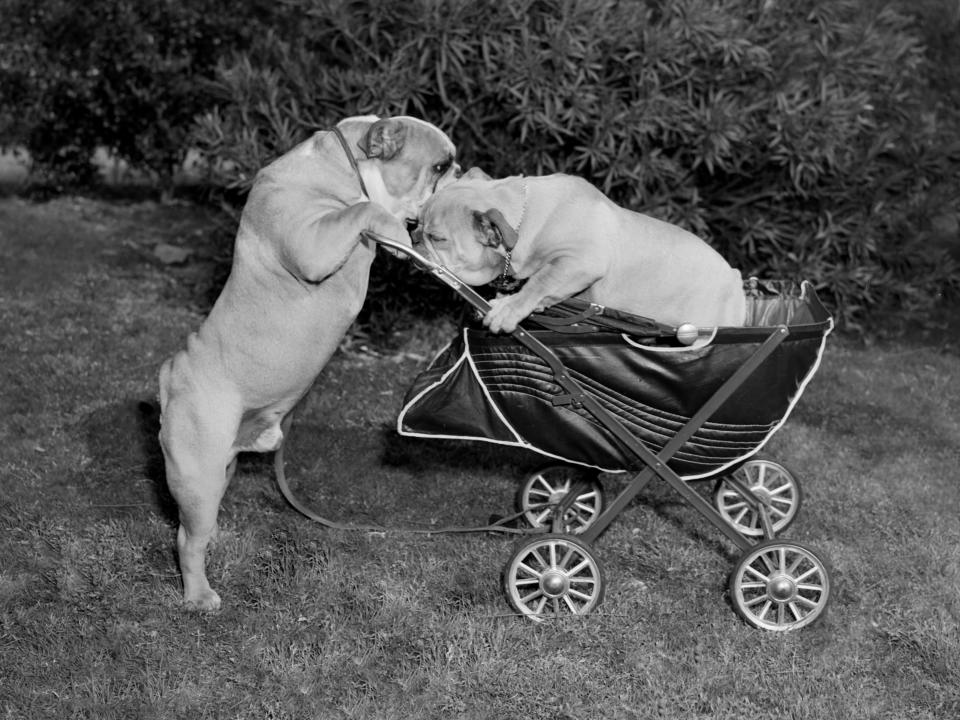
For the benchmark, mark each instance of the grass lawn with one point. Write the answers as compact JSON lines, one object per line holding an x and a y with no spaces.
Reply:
{"x":335,"y":624}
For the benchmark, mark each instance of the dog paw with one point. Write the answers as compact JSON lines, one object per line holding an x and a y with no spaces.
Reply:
{"x":202,"y":602}
{"x":505,"y":314}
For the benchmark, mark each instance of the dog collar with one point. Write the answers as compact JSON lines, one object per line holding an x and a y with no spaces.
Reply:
{"x":505,"y":283}
{"x":351,"y":158}
{"x":504,"y":275}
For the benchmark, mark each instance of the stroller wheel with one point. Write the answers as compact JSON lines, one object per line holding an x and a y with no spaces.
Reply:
{"x":547,"y":486}
{"x":773,"y":484}
{"x":552,"y":576}
{"x":780,"y":585}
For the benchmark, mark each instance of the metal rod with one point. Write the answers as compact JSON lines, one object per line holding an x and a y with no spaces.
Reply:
{"x":658,"y":463}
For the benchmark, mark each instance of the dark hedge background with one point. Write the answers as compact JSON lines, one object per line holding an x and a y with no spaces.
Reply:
{"x":802,"y":138}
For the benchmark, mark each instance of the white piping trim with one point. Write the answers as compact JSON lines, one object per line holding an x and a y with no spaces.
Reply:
{"x":698,"y":344}
{"x":518,"y":443}
{"x":793,"y":402}
{"x":464,"y":357}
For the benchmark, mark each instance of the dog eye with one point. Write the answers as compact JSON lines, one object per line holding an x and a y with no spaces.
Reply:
{"x":441,"y":167}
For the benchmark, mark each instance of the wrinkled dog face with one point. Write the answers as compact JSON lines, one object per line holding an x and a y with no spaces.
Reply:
{"x":461,"y":230}
{"x":415,"y":160}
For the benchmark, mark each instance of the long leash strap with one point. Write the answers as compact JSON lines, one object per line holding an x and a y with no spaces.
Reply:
{"x":351,"y":158}
{"x":498,"y":526}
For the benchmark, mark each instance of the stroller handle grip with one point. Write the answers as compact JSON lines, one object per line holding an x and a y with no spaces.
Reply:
{"x":440,"y":272}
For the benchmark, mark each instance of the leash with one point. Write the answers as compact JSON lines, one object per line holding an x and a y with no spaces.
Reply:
{"x":353,"y":161}
{"x":500,"y":525}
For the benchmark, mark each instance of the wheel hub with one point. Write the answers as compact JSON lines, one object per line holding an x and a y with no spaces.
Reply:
{"x":782,"y":588}
{"x":762,"y":494}
{"x":554,"y":583}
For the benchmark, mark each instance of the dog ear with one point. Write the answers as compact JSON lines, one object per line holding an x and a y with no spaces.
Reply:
{"x":475,"y":173}
{"x":495,"y":230}
{"x":384,"y":140}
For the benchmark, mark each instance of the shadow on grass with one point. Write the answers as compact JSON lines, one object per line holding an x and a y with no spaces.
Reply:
{"x":125,"y":456}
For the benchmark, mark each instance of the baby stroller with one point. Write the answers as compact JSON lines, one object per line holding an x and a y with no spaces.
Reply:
{"x":599,"y":391}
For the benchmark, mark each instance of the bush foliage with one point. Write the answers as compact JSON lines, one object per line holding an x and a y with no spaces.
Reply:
{"x":801,"y":138}
{"x":125,"y":75}
{"x":789,"y":134}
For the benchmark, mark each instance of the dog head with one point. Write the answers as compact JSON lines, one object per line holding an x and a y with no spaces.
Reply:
{"x":463,"y":227}
{"x":405,"y":160}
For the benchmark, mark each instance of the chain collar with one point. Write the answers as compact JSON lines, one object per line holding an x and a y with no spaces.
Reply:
{"x":505,"y":283}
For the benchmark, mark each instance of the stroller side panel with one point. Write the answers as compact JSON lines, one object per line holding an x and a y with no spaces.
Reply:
{"x":652,"y":390}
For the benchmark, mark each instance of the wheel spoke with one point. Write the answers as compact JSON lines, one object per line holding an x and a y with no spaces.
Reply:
{"x":766,"y":608}
{"x":769,"y":559}
{"x":526,"y":568}
{"x":732,"y":505}
{"x":536,"y":553}
{"x":757,"y":600}
{"x":791,"y":571}
{"x":526,"y":599}
{"x":584,"y":507}
{"x":578,"y":594}
{"x":756,"y":573}
{"x":812,"y":571}
{"x":540,"y":605}
{"x":547,"y":487}
{"x":571,"y":604}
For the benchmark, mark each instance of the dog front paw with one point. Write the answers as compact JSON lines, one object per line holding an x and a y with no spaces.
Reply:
{"x":506,"y":313}
{"x":205,"y":601}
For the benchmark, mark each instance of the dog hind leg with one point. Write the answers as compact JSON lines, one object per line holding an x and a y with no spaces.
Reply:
{"x":200,"y":462}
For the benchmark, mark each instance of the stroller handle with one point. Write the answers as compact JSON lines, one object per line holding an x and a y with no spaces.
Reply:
{"x":686,"y":334}
{"x":440,"y":272}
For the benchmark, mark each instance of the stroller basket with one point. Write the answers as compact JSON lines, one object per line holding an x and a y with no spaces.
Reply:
{"x":492,"y":388}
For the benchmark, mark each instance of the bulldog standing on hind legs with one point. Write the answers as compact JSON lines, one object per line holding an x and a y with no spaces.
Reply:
{"x":298,"y":280}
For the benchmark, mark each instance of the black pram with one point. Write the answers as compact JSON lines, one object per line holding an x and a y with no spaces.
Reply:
{"x":596,"y":390}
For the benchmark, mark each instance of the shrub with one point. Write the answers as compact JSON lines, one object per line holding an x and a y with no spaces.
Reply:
{"x":120,"y":74}
{"x":787,"y":134}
